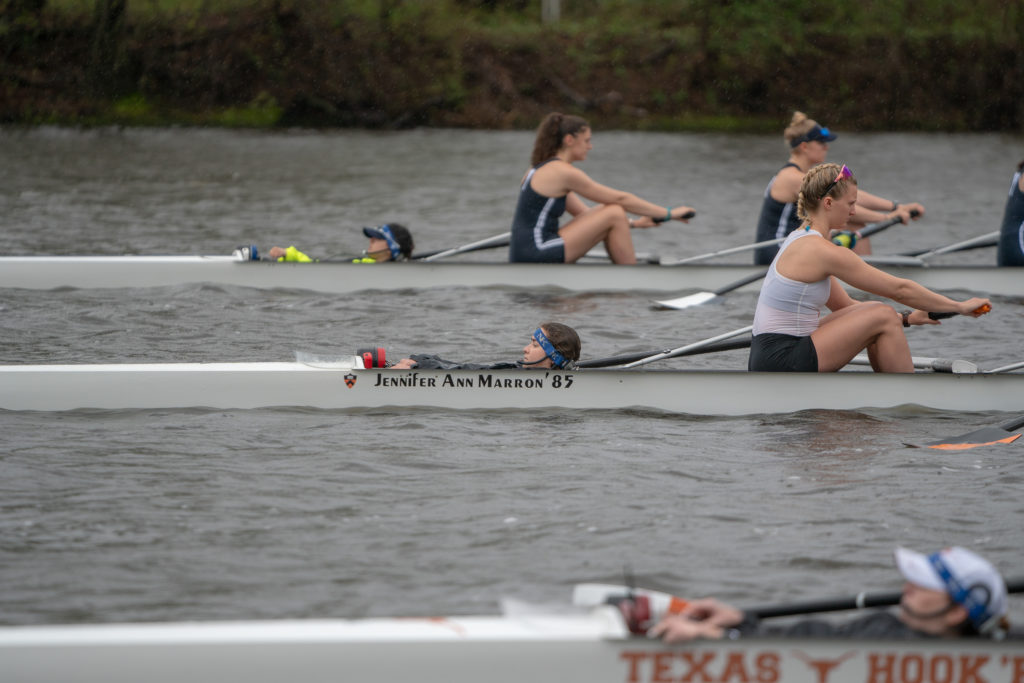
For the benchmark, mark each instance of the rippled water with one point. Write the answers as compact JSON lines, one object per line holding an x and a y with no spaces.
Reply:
{"x":201,"y":514}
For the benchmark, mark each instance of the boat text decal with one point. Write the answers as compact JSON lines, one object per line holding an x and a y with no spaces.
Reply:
{"x":525,"y":380}
{"x":776,"y":666}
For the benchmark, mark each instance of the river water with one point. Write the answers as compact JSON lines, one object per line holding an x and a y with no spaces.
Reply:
{"x":210,"y":514}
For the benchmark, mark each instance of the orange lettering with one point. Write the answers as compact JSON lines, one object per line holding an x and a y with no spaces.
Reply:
{"x":768,"y":667}
{"x":969,"y":669}
{"x":634,"y":659}
{"x":734,"y":668}
{"x":697,"y":667}
{"x":918,"y":664}
{"x":946,"y":675}
{"x":880,"y":668}
{"x":1018,"y":670}
{"x":662,"y":672}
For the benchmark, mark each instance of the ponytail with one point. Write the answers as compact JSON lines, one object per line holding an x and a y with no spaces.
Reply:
{"x":550,"y":133}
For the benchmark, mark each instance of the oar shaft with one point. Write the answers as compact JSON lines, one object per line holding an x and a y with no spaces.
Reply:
{"x":496,"y":241}
{"x":726,"y":345}
{"x":725,"y":252}
{"x":690,"y":347}
{"x":859,"y":601}
{"x":986,"y":240}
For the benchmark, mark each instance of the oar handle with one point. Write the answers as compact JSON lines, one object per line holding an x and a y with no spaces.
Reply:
{"x":980,"y":310}
{"x":686,"y":216}
{"x":869,"y":230}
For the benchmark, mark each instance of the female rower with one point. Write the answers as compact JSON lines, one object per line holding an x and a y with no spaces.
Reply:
{"x":808,"y":146}
{"x":806,"y":275}
{"x":388,"y":242}
{"x":553,"y":185}
{"x":551,"y":346}
{"x":1011,"y":237}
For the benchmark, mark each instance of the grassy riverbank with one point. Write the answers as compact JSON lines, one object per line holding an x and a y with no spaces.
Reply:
{"x":651,"y":64}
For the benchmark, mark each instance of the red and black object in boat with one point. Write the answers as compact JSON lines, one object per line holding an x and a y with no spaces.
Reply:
{"x":373,"y":357}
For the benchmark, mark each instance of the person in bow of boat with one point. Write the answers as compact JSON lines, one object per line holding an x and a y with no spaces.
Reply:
{"x":551,"y":346}
{"x":1010,"y":251}
{"x":554,"y":185}
{"x":388,"y":242}
{"x":789,"y":334}
{"x":952,"y":593}
{"x":808,"y":146}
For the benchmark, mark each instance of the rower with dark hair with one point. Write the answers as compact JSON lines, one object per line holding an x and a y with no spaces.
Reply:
{"x":553,"y":185}
{"x":1011,"y":237}
{"x":952,"y":593}
{"x":552,"y":346}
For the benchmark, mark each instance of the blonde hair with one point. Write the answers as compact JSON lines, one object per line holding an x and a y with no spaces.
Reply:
{"x":815,"y":187}
{"x":799,"y":126}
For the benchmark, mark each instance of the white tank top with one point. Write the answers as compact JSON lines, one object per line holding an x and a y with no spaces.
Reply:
{"x":787,"y":306}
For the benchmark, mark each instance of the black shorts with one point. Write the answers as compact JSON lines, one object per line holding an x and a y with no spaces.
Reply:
{"x":782,"y":353}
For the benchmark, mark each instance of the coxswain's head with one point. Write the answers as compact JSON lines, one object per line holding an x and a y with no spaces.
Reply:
{"x":951,"y":592}
{"x":389,"y":242}
{"x":553,"y":345}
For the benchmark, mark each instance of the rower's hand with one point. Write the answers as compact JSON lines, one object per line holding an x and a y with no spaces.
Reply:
{"x":919,"y":317}
{"x":277,"y":252}
{"x":676,"y":628}
{"x":908,"y":212}
{"x":975,"y":307}
{"x":683,"y":214}
{"x":404,"y":364}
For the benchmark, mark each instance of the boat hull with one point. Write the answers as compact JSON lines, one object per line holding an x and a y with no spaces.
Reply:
{"x":592,"y":648}
{"x":52,"y":272}
{"x":705,"y":392}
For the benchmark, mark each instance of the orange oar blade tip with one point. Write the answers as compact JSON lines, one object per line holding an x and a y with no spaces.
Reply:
{"x":965,"y":446}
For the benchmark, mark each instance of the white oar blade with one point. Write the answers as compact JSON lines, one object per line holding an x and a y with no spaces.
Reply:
{"x":687,"y":301}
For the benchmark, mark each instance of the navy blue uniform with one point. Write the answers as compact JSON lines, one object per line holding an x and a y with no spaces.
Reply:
{"x":535,"y":226}
{"x":775,"y":222}
{"x":1011,"y":236}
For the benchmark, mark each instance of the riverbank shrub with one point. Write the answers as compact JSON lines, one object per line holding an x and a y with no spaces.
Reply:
{"x":634,"y":64}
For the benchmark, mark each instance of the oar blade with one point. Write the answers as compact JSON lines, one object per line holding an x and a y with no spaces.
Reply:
{"x":687,"y":301}
{"x":1005,"y":433}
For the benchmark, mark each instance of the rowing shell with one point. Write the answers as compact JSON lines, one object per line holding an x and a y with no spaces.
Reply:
{"x":704,"y":392}
{"x":592,"y":646}
{"x":50,"y":272}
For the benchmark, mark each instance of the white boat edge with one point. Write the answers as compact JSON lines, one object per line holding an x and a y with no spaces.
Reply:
{"x":85,"y":272}
{"x":699,"y":392}
{"x":592,"y":646}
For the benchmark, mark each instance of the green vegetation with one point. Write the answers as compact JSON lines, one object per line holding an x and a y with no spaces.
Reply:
{"x":635,"y":64}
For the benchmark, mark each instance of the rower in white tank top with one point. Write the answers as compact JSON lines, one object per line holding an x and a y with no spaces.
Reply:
{"x":787,"y":306}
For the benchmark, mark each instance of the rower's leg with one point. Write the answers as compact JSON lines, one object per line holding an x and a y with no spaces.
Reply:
{"x":607,"y":223}
{"x":869,"y":325}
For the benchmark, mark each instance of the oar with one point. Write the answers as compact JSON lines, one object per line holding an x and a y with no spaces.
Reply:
{"x":724,"y":252}
{"x":859,"y":601}
{"x":1007,"y":368}
{"x":869,"y":230}
{"x":661,"y":603}
{"x":689,"y":348}
{"x":704,"y":297}
{"x":726,"y":345}
{"x":501,"y":240}
{"x":990,"y":239}
{"x":986,"y":436}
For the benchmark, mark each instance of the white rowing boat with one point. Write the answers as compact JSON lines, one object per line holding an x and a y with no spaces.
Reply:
{"x":346,"y":385}
{"x":593,"y":646}
{"x":50,"y":272}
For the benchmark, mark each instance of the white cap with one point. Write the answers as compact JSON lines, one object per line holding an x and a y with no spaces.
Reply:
{"x":968,"y":578}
